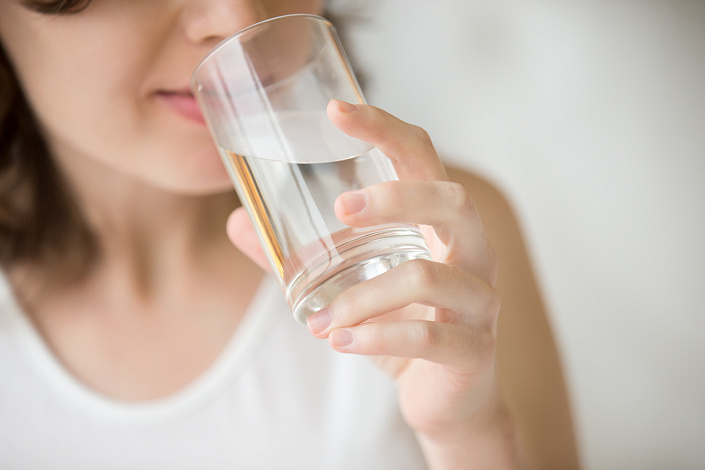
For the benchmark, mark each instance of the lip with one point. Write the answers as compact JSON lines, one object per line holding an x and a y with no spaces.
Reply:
{"x":183,"y":103}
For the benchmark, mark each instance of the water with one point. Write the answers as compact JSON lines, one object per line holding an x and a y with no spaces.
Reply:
{"x":316,"y":255}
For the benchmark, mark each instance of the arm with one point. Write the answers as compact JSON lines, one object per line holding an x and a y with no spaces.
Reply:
{"x":528,"y":362}
{"x":480,"y":389}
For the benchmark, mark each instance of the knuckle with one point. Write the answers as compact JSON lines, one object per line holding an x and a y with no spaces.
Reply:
{"x":488,"y":301}
{"x":494,"y":304}
{"x":423,"y":273}
{"x":479,"y":351}
{"x":344,"y":306}
{"x":492,"y":255}
{"x":427,"y":337}
{"x":485,"y":355}
{"x":461,"y":200}
{"x":422,"y":136}
{"x":492,"y":263}
{"x":466,"y":347}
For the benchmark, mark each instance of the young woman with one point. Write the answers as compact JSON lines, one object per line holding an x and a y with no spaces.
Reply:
{"x":134,"y":335}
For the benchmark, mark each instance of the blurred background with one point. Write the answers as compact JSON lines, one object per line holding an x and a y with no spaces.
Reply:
{"x":590,"y":116}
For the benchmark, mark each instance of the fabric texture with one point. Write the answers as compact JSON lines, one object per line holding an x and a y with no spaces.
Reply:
{"x":276,"y":398}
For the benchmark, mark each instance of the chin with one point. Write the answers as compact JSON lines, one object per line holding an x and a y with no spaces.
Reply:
{"x":201,"y":173}
{"x":188,"y":165}
{"x":198,"y":184}
{"x":201,"y":180}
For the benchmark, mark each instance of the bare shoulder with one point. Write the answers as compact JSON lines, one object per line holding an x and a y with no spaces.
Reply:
{"x":529,"y":365}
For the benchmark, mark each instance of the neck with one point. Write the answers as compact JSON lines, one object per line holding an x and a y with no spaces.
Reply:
{"x":149,"y":237}
{"x":166,"y":239}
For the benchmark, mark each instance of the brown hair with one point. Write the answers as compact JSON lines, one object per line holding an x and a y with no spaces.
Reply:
{"x":40,"y":223}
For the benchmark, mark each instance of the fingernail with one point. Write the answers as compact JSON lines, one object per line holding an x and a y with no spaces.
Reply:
{"x":345,"y":107}
{"x":341,"y":338}
{"x":319,"y":321}
{"x":353,"y":201}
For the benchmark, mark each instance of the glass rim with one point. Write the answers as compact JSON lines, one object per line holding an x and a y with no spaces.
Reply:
{"x":222,"y":44}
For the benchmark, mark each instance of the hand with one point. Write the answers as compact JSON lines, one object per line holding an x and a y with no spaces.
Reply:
{"x":430,"y":324}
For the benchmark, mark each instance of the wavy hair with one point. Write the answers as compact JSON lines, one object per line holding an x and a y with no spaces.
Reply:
{"x":39,"y":220}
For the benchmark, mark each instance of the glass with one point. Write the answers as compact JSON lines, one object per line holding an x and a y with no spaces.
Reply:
{"x":263,"y":93}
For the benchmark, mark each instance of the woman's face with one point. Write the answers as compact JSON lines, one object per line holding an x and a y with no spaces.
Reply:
{"x":109,"y":85}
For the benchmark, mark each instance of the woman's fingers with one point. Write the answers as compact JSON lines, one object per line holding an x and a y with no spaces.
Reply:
{"x":459,"y":298}
{"x":242,"y":235}
{"x":461,"y":346}
{"x":444,"y":205}
{"x":409,"y":147}
{"x":457,"y":223}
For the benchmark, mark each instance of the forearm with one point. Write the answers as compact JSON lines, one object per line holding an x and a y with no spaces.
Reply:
{"x":489,"y":442}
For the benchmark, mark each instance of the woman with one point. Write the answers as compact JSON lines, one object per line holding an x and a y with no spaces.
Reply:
{"x":135,"y":336}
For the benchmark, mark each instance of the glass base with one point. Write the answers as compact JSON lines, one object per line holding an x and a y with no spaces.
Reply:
{"x":363,"y":261}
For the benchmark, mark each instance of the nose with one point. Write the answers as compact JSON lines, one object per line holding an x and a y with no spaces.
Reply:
{"x":208,"y":21}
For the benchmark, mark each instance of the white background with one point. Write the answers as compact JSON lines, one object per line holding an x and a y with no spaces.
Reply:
{"x":590,"y":116}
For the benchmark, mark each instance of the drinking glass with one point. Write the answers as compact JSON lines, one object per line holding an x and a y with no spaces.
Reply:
{"x":263,"y":93}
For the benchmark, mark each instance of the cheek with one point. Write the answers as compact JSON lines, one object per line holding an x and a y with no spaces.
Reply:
{"x":82,"y":88}
{"x":96,"y":105}
{"x":78,"y":100}
{"x":86,"y":118}
{"x":133,"y":136}
{"x":180,"y":153}
{"x":163,"y":152}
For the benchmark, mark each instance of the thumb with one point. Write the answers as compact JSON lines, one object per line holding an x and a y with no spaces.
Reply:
{"x":242,"y":235}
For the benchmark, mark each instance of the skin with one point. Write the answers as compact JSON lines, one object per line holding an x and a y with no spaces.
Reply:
{"x":152,"y":187}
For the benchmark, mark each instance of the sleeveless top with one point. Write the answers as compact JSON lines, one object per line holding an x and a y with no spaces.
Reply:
{"x":276,"y":398}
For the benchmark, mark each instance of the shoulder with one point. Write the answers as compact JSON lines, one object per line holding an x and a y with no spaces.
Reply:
{"x":517,"y":284}
{"x":528,"y":364}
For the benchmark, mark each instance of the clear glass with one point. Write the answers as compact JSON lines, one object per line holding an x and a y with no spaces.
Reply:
{"x":264,"y":93}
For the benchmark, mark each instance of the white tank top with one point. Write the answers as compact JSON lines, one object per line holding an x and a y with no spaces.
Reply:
{"x":277,"y":398}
